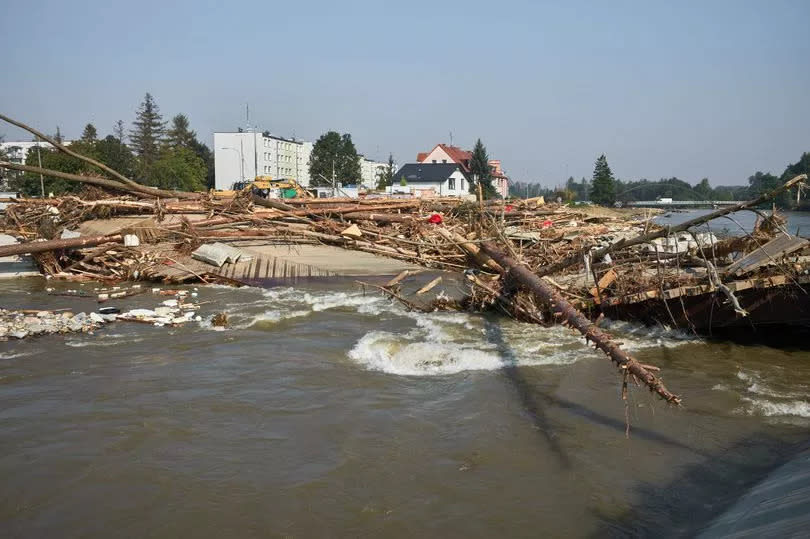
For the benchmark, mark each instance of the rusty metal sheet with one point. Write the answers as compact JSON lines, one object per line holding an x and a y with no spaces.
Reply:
{"x":778,"y":247}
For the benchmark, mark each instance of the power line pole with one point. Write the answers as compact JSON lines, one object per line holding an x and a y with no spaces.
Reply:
{"x":41,"y":180}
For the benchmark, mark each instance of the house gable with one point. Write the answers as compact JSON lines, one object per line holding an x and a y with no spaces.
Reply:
{"x":444,"y":153}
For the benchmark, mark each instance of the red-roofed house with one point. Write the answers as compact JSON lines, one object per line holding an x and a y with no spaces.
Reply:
{"x":445,"y":153}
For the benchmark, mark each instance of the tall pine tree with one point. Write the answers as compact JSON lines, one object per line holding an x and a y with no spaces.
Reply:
{"x":118,"y":131}
{"x":147,"y":133}
{"x":179,"y":134}
{"x":89,"y":134}
{"x":603,"y":186}
{"x":480,"y":169}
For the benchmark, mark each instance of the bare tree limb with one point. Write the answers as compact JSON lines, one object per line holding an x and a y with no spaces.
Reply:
{"x":62,"y":148}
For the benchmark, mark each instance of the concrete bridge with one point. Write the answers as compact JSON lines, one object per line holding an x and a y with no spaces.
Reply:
{"x":667,"y":203}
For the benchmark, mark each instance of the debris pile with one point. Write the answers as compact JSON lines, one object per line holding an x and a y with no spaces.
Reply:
{"x":22,"y":324}
{"x":539,"y":263}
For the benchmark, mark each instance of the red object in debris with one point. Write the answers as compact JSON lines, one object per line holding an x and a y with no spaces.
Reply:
{"x":547,"y":223}
{"x":436,"y":219}
{"x":509,"y":207}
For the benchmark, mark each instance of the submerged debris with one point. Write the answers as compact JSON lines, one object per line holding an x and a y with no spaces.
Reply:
{"x":19,"y":324}
{"x":22,"y":324}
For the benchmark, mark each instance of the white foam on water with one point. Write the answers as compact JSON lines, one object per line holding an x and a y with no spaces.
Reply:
{"x":12,"y":355}
{"x":334,"y":300}
{"x":280,"y":293}
{"x":273,"y":317}
{"x":449,"y":343}
{"x":94,"y":341}
{"x":637,"y":336}
{"x":770,"y":408}
{"x":757,"y":386}
{"x":441,"y":342}
{"x":383,"y":351}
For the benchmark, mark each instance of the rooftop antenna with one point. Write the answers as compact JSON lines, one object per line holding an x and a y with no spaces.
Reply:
{"x":255,"y":145}
{"x":451,"y":138}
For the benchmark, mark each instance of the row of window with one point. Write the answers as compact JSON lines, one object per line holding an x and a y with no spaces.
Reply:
{"x":268,"y":143}
{"x":268,"y":156}
{"x":281,"y":171}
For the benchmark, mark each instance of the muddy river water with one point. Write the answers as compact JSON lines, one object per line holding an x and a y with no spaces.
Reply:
{"x":324,"y":412}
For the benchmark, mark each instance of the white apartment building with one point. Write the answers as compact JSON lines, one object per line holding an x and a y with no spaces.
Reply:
{"x":242,"y":156}
{"x":370,"y":171}
{"x":18,"y":151}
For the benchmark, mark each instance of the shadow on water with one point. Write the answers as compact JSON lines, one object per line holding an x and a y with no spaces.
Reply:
{"x":789,"y":338}
{"x":535,"y":402}
{"x":698,"y":496}
{"x":528,"y":397}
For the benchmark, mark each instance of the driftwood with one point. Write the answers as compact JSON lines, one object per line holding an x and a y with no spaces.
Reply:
{"x":470,"y":248}
{"x":53,"y":245}
{"x":378,"y":217}
{"x":571,"y":316}
{"x":623,"y":243}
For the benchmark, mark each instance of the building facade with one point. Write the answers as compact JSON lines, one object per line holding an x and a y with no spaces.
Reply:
{"x":431,"y":179}
{"x":370,"y":172}
{"x":17,"y":152}
{"x":240,"y":157}
{"x":445,"y":153}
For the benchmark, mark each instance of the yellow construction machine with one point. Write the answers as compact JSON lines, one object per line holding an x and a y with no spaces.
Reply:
{"x":288,"y":187}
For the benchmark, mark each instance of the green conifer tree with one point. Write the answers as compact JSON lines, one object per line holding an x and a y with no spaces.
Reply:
{"x":603,"y":185}
{"x":480,"y":170}
{"x":89,"y":134}
{"x":147,"y":133}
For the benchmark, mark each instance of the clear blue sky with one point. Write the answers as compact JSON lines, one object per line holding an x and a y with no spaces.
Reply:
{"x":690,"y":89}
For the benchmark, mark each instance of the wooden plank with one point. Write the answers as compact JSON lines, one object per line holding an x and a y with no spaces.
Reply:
{"x":605,"y":281}
{"x":429,"y":286}
{"x":778,"y":247}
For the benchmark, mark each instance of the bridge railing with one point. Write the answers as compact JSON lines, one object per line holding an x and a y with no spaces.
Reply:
{"x":684,"y":203}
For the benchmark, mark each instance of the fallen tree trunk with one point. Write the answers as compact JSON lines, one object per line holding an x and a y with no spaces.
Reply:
{"x":53,"y":245}
{"x":471,"y":249}
{"x":353,"y":209}
{"x":91,"y":180}
{"x":137,"y":189}
{"x":571,"y":316}
{"x":666,"y":231}
{"x":378,"y":217}
{"x":33,"y":247}
{"x":269,"y":203}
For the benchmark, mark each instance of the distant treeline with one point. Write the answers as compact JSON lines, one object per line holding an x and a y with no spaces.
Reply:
{"x":674,"y":188}
{"x":153,"y":152}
